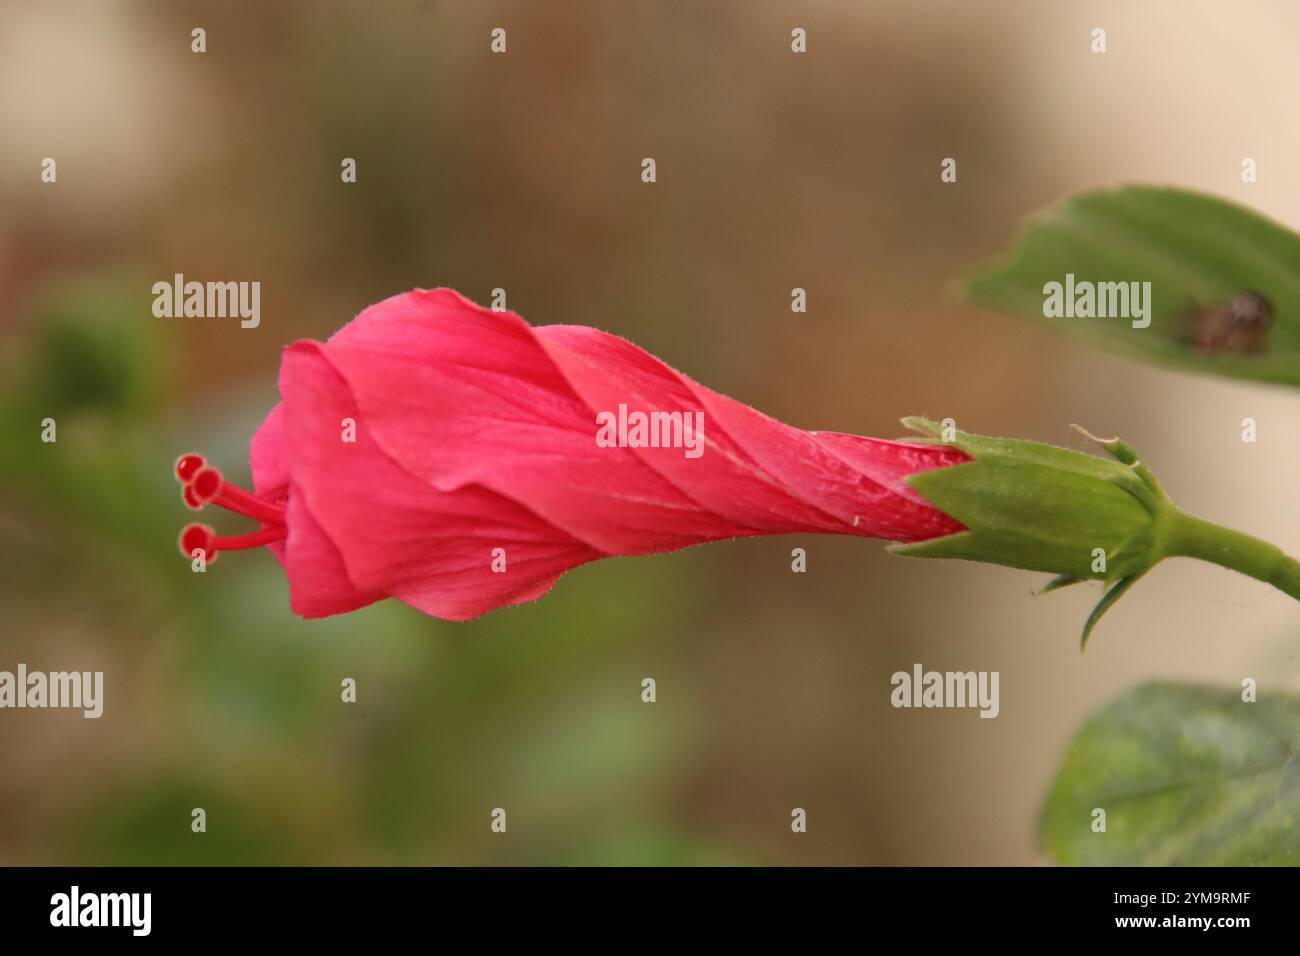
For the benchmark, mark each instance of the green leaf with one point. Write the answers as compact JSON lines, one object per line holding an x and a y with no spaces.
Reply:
{"x":1187,"y":775}
{"x":1197,"y":252}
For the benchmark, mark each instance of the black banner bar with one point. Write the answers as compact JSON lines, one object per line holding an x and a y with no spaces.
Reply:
{"x":305,"y":905}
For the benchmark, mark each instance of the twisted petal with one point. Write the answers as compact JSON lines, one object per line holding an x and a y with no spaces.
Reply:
{"x":475,"y":431}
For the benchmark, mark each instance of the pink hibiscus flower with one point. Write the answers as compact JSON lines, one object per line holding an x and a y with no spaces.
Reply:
{"x":459,"y":460}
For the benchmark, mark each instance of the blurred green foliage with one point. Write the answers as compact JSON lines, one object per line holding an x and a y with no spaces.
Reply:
{"x":1187,"y":776}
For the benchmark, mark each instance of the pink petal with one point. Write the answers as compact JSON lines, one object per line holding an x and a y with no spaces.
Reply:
{"x":460,"y":395}
{"x":396,"y":533}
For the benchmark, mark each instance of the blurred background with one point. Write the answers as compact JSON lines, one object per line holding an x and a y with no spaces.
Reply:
{"x":522,"y":171}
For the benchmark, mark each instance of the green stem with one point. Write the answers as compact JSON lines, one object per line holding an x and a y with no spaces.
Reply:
{"x":1194,"y":538}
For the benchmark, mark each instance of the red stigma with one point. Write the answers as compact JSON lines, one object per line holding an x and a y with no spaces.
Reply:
{"x":187,"y":465}
{"x":197,"y":537}
{"x":201,"y":483}
{"x":205,"y":484}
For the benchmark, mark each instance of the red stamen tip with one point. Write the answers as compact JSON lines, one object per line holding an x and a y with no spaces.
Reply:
{"x":191,"y":499}
{"x":206,"y":483}
{"x":187,"y":465}
{"x":198,"y":537}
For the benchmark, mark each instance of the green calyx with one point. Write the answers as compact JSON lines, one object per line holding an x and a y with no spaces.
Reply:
{"x":1080,"y":517}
